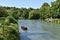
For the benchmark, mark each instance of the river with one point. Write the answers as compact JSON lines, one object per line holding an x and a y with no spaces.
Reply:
{"x":39,"y":30}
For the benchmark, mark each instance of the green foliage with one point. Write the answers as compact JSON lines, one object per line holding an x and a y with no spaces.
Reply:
{"x":15,"y":14}
{"x":44,"y":11}
{"x":25,"y":13}
{"x":12,"y":32}
{"x":55,"y":9}
{"x":34,"y":15}
{"x":30,"y":9}
{"x":9,"y":30}
{"x":1,"y":38}
{"x":3,"y":13}
{"x":11,"y":20}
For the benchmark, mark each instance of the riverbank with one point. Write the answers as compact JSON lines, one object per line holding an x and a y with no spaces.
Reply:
{"x":56,"y":21}
{"x":53,"y":20}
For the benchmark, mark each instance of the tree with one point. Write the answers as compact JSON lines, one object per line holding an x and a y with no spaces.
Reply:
{"x":15,"y":14}
{"x":24,"y":13}
{"x":34,"y":14}
{"x":30,"y":9}
{"x":55,"y":9}
{"x":3,"y":13}
{"x":44,"y":11}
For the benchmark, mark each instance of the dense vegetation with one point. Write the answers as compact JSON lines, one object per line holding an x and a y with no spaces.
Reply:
{"x":46,"y":11}
{"x":10,"y":15}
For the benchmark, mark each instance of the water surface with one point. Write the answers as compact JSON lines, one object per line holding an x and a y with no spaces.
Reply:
{"x":39,"y":30}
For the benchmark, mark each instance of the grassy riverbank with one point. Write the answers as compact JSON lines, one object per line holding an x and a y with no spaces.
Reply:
{"x":54,"y":21}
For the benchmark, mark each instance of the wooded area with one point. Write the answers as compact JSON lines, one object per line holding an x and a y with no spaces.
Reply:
{"x":46,"y":11}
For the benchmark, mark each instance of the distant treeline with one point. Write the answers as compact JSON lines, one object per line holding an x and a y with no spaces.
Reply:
{"x":46,"y":11}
